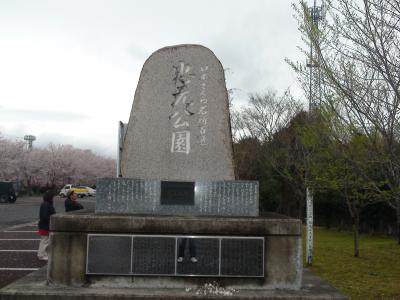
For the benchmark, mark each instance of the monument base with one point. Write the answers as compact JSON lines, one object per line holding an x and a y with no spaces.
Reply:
{"x":282,"y":259}
{"x":34,"y":286}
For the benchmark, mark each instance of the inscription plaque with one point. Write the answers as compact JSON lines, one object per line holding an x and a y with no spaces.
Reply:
{"x":242,"y":257}
{"x":218,"y":256}
{"x":143,"y":196}
{"x":109,"y":254}
{"x":153,"y":255}
{"x":206,"y":252}
{"x":177,"y":193}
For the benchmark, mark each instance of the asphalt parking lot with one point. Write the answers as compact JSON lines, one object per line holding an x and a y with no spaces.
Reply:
{"x":18,"y":248}
{"x":19,"y":239}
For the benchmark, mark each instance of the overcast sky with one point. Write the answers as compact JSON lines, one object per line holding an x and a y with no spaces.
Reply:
{"x":69,"y":69}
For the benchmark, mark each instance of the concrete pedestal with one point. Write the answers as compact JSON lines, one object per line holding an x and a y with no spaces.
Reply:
{"x":67,"y":263}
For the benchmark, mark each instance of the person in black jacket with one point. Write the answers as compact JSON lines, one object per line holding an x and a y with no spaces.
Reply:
{"x":46,"y":210}
{"x":71,"y":203}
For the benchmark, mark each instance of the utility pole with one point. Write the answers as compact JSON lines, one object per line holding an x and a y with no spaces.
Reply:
{"x":316,"y":13}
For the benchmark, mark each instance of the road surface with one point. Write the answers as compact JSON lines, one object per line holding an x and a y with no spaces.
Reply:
{"x":19,"y":240}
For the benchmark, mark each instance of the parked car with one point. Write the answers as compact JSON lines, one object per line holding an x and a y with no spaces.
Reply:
{"x":80,"y":191}
{"x":92,"y":192}
{"x":7,"y":192}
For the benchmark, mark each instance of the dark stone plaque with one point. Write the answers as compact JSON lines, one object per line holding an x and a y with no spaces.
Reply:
{"x":206,"y":252}
{"x":177,"y":193}
{"x":242,"y":257}
{"x":175,"y":256}
{"x":109,"y":254}
{"x":153,"y":255}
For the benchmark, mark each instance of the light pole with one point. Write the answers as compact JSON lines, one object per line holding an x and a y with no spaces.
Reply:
{"x":316,"y":14}
{"x":30,"y":138}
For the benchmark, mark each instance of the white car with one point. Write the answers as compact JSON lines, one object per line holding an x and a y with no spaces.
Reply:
{"x":80,"y":191}
{"x":91,"y":192}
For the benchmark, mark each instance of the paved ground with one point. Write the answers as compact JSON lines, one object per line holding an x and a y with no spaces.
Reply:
{"x":18,"y":247}
{"x":34,"y":286}
{"x":19,"y":240}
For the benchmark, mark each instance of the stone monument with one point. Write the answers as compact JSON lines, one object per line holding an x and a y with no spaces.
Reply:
{"x":178,"y":187}
{"x":177,"y":218}
{"x":179,"y":127}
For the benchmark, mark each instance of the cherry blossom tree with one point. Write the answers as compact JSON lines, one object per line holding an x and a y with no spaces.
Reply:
{"x":52,"y":166}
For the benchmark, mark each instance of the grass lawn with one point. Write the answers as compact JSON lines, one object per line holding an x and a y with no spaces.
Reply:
{"x":373,"y":275}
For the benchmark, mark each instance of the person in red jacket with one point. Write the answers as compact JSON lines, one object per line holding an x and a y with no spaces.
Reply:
{"x":46,"y":210}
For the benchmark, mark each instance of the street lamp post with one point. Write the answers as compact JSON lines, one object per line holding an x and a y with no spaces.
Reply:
{"x":30,"y":139}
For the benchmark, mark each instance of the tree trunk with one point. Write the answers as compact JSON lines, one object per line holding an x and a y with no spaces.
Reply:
{"x":356,"y":226}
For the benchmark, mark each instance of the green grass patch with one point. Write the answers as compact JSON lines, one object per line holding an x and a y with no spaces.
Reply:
{"x":373,"y":275}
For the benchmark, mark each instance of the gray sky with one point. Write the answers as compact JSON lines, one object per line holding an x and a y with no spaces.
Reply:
{"x":69,"y":69}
